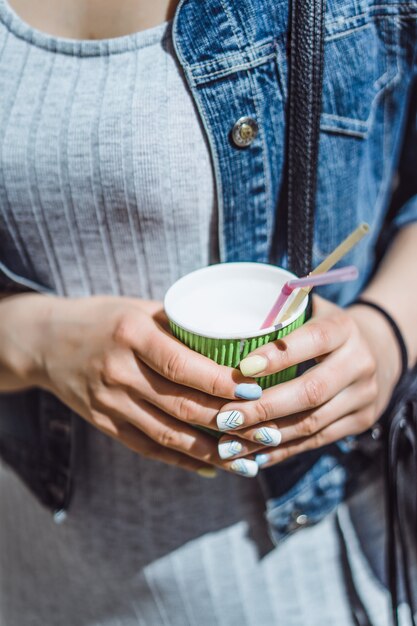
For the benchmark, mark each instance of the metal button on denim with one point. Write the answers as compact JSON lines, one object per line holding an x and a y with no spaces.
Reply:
{"x":244,"y":132}
{"x":301,"y":520}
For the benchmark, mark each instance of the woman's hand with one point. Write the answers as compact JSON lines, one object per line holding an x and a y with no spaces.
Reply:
{"x":358,"y":364}
{"x":115,"y":363}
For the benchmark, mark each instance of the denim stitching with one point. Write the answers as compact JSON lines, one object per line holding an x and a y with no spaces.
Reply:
{"x":335,"y":27}
{"x":344,"y":131}
{"x":255,"y":95}
{"x":268,"y":182}
{"x":357,"y":133}
{"x":233,"y":25}
{"x":384,"y":82}
{"x":346,"y":33}
{"x":337,"y":24}
{"x":280,"y":61}
{"x":343,"y":118}
{"x":380,"y":194}
{"x":251,"y":50}
{"x":231,"y":70}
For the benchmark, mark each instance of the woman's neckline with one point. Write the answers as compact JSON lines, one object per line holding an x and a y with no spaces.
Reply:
{"x":79,"y":47}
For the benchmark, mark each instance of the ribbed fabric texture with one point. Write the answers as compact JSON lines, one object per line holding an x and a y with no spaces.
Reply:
{"x":105,"y":177}
{"x":106,"y":187}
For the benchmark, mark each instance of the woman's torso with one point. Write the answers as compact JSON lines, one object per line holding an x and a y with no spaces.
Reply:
{"x":107,"y":186}
{"x":106,"y":181}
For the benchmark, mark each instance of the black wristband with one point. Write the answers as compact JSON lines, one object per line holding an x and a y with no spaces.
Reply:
{"x":395,"y":330}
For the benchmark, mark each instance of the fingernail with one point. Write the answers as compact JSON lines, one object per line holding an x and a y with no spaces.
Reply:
{"x":229,"y":420}
{"x":207,"y":472}
{"x":230,"y":448}
{"x":268,"y":436}
{"x":248,"y":391}
{"x":245,"y":467}
{"x":253,"y":365}
{"x":261,"y":459}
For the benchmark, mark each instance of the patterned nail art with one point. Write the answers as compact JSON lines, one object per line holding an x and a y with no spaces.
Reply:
{"x":227,"y":449}
{"x":261,"y":459}
{"x":245,"y":467}
{"x":229,"y":420}
{"x":268,"y":436}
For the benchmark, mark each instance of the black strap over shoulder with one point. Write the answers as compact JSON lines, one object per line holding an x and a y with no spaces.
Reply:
{"x":400,"y":438}
{"x":303,"y":127}
{"x":304,"y":108}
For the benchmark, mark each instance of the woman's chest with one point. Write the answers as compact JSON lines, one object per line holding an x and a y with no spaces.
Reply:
{"x":93,"y":19}
{"x":104,"y":170}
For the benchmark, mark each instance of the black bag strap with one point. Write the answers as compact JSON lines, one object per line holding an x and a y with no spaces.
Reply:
{"x":303,"y":127}
{"x":304,"y":108}
{"x":400,"y":443}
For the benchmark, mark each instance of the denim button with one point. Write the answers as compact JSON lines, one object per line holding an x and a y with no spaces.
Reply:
{"x":244,"y":132}
{"x":301,"y":520}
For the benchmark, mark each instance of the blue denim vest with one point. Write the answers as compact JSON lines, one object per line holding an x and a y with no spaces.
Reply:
{"x":235,"y":59}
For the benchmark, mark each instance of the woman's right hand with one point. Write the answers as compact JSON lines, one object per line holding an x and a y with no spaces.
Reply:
{"x":114,"y":362}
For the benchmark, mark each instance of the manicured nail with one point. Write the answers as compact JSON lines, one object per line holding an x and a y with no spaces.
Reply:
{"x":230,"y":448}
{"x":245,"y":467}
{"x":248,"y":391}
{"x":207,"y":472}
{"x":253,"y":365}
{"x":268,"y":436}
{"x":261,"y":459}
{"x":229,"y":420}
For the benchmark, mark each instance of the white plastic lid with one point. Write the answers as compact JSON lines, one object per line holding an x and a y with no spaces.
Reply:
{"x":228,"y":300}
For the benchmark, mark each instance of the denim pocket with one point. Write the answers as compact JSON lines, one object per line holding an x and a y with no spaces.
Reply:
{"x":315,"y":495}
{"x":360,"y":65}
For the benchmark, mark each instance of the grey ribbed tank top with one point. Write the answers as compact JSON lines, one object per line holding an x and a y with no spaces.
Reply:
{"x":105,"y":179}
{"x":106,"y":186}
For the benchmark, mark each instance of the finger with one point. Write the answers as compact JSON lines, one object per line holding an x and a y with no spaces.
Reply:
{"x":171,"y":359}
{"x":157,"y":425}
{"x":352,"y":424}
{"x":350,"y":400}
{"x":309,"y":391}
{"x":230,"y":447}
{"x":316,"y":338}
{"x":171,"y":434}
{"x":138,"y":442}
{"x":184,"y":403}
{"x":160,"y":427}
{"x":188,"y":405}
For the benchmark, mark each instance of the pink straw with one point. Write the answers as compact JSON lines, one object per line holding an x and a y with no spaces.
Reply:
{"x":350,"y":272}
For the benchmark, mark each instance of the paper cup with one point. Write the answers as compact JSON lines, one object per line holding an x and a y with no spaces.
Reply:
{"x":218,"y":310}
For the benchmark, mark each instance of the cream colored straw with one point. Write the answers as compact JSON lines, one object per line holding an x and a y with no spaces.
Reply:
{"x":335,"y":256}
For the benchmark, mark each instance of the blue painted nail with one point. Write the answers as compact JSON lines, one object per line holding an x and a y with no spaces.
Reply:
{"x":248,"y":391}
{"x":261,"y":459}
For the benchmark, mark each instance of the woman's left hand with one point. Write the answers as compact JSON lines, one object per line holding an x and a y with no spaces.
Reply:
{"x":357,"y":366}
